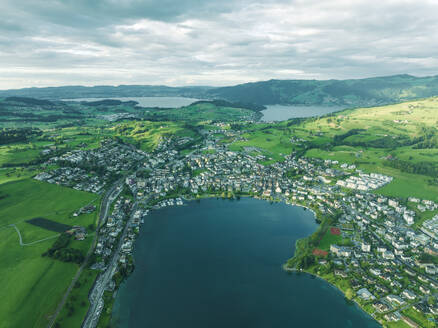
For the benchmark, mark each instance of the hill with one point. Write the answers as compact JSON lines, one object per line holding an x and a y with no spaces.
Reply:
{"x":67,"y":92}
{"x":397,"y":140}
{"x":354,"y":93}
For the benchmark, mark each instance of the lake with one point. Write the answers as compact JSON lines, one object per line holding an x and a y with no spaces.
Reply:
{"x":285,"y":112}
{"x":218,"y":263}
{"x":271,"y":113}
{"x":161,"y":102}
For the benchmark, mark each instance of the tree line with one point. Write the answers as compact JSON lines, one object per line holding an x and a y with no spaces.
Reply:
{"x":424,"y":168}
{"x":61,"y":251}
{"x":13,"y":135}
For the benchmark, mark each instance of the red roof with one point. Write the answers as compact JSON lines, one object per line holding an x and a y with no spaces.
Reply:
{"x":335,"y":231}
{"x":319,"y":252}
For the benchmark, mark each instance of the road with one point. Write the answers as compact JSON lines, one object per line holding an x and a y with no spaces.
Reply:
{"x":32,"y":243}
{"x":96,"y":294}
{"x":108,"y":198}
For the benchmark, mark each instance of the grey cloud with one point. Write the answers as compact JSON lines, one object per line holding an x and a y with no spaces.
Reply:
{"x":212,"y":42}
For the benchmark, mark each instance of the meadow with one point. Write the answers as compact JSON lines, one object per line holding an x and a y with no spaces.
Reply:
{"x":35,"y":284}
{"x":76,"y":307}
{"x":147,"y":134}
{"x":202,"y":111}
{"x":371,"y":138}
{"x":272,"y":140}
{"x":384,"y":134}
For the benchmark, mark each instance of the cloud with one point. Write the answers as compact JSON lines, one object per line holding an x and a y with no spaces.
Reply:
{"x":193,"y":42}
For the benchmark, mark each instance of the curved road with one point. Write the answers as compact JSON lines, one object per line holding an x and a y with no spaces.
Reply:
{"x":32,"y":243}
{"x":106,"y":202}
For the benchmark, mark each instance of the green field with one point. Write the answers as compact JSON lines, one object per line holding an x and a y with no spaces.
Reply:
{"x":16,"y":173}
{"x":419,"y":318}
{"x":76,"y":307}
{"x":272,"y":141}
{"x":147,"y":135}
{"x":371,"y":138}
{"x":381,"y":135}
{"x":17,"y":154}
{"x":330,"y":239}
{"x":201,"y":112}
{"x":35,"y":284}
{"x":404,"y":184}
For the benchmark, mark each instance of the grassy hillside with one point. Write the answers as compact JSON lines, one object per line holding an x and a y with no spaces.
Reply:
{"x":146,"y":135}
{"x":271,"y":140}
{"x":354,"y":93}
{"x":20,"y":112}
{"x":202,"y":111}
{"x":105,"y":91}
{"x":399,"y":140}
{"x":35,"y":284}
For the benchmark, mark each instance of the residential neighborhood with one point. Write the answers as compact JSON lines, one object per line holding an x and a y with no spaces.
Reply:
{"x":384,"y":245}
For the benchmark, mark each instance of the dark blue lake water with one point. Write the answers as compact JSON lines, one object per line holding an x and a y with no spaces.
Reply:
{"x":218,"y":263}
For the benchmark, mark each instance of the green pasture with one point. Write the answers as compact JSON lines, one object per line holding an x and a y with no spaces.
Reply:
{"x":76,"y":307}
{"x":273,"y":141}
{"x":201,"y":112}
{"x":35,"y":284}
{"x":148,"y":134}
{"x":330,"y":239}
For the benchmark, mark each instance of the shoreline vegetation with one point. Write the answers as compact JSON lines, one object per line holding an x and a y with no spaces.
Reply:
{"x":300,"y":262}
{"x":398,"y":141}
{"x":107,"y":312}
{"x":289,"y":268}
{"x":351,"y":302}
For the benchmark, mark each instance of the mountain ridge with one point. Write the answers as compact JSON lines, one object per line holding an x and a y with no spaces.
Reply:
{"x":370,"y":91}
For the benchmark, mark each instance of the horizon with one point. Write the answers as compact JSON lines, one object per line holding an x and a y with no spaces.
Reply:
{"x":211,"y":86}
{"x":218,"y":43}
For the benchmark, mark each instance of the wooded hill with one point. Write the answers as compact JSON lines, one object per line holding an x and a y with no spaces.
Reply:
{"x":355,"y":93}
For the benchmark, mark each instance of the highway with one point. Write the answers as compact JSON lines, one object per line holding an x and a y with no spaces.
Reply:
{"x":107,"y":199}
{"x":96,"y":294}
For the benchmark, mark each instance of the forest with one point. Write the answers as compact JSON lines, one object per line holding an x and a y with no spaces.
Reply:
{"x":13,"y":135}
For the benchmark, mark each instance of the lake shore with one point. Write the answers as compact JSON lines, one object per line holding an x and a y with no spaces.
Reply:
{"x":296,"y":271}
{"x":226,"y":210}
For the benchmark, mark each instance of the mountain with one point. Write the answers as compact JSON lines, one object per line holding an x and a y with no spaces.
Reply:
{"x":67,"y":92}
{"x":359,"y":92}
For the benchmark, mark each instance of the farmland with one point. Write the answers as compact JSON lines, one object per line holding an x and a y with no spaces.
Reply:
{"x":35,"y":283}
{"x":374,"y":139}
{"x":387,"y":134}
{"x":147,"y":135}
{"x":396,"y":140}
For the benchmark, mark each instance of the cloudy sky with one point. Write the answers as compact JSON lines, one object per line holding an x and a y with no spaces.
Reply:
{"x":212,"y":42}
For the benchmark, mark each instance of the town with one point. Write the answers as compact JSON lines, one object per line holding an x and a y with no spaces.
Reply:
{"x":384,"y":249}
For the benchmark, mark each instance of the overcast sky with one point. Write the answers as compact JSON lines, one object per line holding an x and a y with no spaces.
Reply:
{"x":212,"y":42}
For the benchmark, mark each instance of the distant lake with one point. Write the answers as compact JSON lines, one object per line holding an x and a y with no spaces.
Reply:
{"x":218,"y":263}
{"x":285,"y":112}
{"x":162,"y":102}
